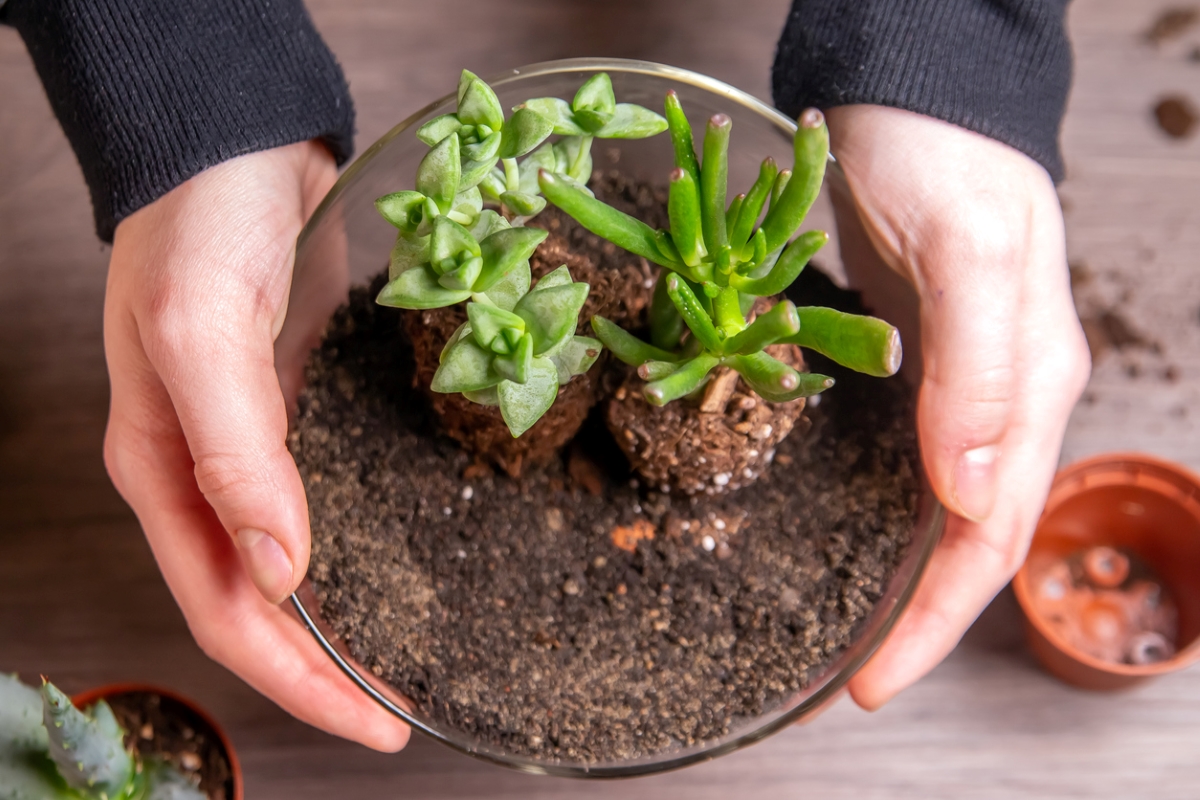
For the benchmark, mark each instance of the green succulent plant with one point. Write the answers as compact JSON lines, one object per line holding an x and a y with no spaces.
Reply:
{"x":50,"y":750}
{"x":450,"y":249}
{"x":718,"y":258}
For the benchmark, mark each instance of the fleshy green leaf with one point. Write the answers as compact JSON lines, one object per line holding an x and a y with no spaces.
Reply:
{"x":439,"y":172}
{"x":780,"y":322}
{"x":666,"y":326}
{"x":594,"y":104}
{"x":864,"y":344}
{"x":811,"y":147}
{"x":575,"y":357}
{"x":541,"y":158}
{"x":487,"y":323}
{"x":525,"y":205}
{"x":693,"y":313}
{"x":775,"y":381}
{"x":752,"y":206}
{"x":449,"y":241}
{"x":402,"y":209}
{"x":631,"y":121}
{"x":522,"y":405}
{"x":690,"y":376}
{"x":505,"y":292}
{"x":474,"y":172}
{"x":483,"y":151}
{"x":492,"y":185}
{"x":683,"y":206}
{"x":488,"y":223}
{"x":439,"y":128}
{"x":657,"y":370}
{"x":467,"y":206}
{"x":603,"y":220}
{"x":559,"y":113}
{"x":408,"y":252}
{"x":786,"y":269}
{"x":524,"y":131}
{"x":419,"y":288}
{"x":627,"y":347}
{"x":681,"y":138}
{"x":557,"y":277}
{"x":516,"y":367}
{"x":462,"y":277}
{"x":485,"y":397}
{"x":465,"y":367}
{"x":573,"y":158}
{"x":478,"y":105}
{"x":503,"y":250}
{"x":714,"y":178}
{"x":551,"y":314}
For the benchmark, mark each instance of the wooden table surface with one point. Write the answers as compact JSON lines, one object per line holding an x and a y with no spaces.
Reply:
{"x":81,"y":600}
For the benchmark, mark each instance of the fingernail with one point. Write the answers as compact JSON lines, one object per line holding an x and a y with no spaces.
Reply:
{"x":975,"y":482}
{"x":267,"y":562}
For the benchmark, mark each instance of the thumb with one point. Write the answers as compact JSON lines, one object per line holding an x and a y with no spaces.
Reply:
{"x":970,"y":298}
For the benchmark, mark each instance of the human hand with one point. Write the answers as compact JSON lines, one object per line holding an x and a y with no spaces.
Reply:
{"x":975,"y":226}
{"x":197,"y":290}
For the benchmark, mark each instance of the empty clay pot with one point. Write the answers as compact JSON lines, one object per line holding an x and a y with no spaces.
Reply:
{"x":1111,"y":585}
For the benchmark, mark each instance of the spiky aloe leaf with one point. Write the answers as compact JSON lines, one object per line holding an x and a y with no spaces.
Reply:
{"x":631,"y":121}
{"x":627,"y":347}
{"x":603,"y":220}
{"x":811,"y":147}
{"x":689,"y":377}
{"x":89,"y":750}
{"x":419,"y":288}
{"x":523,"y":404}
{"x":575,"y":357}
{"x":439,"y":173}
{"x":559,"y":112}
{"x":594,"y":104}
{"x":551,"y":314}
{"x":524,"y":131}
{"x":864,"y":344}
{"x":26,"y":770}
{"x":465,"y":367}
{"x":770,"y":327}
{"x":786,"y":269}
{"x":503,"y":250}
{"x":776,"y":381}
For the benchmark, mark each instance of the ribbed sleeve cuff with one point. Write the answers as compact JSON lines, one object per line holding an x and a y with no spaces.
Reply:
{"x":152,"y":92}
{"x":998,"y":67}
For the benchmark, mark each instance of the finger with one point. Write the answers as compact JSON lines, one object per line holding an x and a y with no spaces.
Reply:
{"x":151,"y":465}
{"x":216,"y":361}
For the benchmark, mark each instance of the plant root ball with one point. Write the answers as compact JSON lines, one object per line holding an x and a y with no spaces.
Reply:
{"x":680,"y":447}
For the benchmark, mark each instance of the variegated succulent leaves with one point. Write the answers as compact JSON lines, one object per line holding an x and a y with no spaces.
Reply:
{"x":718,"y":258}
{"x":519,"y":345}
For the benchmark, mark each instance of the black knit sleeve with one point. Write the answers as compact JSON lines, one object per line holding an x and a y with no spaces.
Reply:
{"x":152,"y":92}
{"x":998,"y":67}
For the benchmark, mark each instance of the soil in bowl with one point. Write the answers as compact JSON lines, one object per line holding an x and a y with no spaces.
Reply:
{"x":574,"y":613}
{"x":161,"y":727}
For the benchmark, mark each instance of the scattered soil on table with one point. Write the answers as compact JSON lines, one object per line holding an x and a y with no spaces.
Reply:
{"x":160,"y":727}
{"x":607,"y":270}
{"x":1176,"y":116}
{"x":576,"y":614}
{"x":1171,"y":24}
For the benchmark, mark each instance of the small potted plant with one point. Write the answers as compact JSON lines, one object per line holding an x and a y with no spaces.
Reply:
{"x":664,"y":566}
{"x":120,"y":743}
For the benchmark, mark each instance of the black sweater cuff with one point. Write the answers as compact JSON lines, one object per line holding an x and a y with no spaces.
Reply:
{"x":152,"y":92}
{"x":998,"y":67}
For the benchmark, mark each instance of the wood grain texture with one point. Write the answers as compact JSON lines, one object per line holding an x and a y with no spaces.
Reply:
{"x":81,"y":600}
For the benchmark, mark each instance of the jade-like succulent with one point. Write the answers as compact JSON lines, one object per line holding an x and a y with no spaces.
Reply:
{"x":718,"y":258}
{"x":517,"y":359}
{"x":451,"y":249}
{"x":50,"y":750}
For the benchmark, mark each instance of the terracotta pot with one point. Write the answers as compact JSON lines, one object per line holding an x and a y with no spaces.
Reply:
{"x":87,"y":698}
{"x":1136,"y":505}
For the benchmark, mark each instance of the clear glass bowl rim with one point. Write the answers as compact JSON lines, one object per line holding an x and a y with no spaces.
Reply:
{"x":863,"y":649}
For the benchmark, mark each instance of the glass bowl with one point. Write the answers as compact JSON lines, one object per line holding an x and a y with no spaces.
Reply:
{"x":347,"y":242}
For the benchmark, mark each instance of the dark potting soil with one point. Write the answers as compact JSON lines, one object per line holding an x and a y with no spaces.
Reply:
{"x":573,"y":613}
{"x":160,"y":727}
